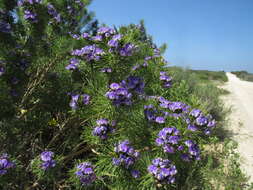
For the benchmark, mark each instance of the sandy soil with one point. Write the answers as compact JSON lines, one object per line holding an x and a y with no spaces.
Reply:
{"x":241,"y":119}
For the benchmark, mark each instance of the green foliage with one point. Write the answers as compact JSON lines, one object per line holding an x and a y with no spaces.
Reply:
{"x":203,"y":75}
{"x":244,"y":75}
{"x":37,"y":109}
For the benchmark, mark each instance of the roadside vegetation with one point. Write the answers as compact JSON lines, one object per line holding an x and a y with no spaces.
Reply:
{"x":244,"y":75}
{"x":86,"y":106}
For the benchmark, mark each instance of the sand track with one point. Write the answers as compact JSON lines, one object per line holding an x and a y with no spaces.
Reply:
{"x":241,"y":119}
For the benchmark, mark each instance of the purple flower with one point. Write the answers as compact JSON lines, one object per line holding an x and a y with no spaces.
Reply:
{"x":73,"y":64}
{"x":192,"y":127}
{"x":127,"y":50}
{"x":150,"y":113}
{"x":180,"y":148}
{"x":160,"y":120}
{"x":127,"y":155}
{"x":5,"y":164}
{"x":189,"y":143}
{"x":102,"y":122}
{"x":74,"y":101}
{"x":114,"y":42}
{"x":135,"y":67}
{"x":47,"y":160}
{"x":178,"y":107}
{"x":21,"y":2}
{"x":97,"y":38}
{"x":134,"y":83}
{"x":207,"y":131}
{"x":168,"y":137}
{"x":46,"y":155}
{"x":201,"y":120}
{"x":148,"y":58}
{"x":85,"y":35}
{"x":28,"y":15}
{"x":163,"y":170}
{"x":90,"y":52}
{"x":52,"y":11}
{"x":135,"y":173}
{"x":193,"y":151}
{"x":195,"y":113}
{"x":103,"y":129}
{"x":119,"y":95}
{"x":166,"y":80}
{"x":106,"y":31}
{"x":5,"y":27}
{"x":114,"y":86}
{"x":85,"y":173}
{"x":48,"y":164}
{"x":86,"y":99}
{"x":168,"y":149}
{"x":211,"y":124}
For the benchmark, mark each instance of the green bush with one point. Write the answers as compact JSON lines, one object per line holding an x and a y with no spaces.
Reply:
{"x":94,"y":108}
{"x":244,"y":75}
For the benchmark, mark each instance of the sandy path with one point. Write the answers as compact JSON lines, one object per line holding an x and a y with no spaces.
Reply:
{"x":241,"y":119}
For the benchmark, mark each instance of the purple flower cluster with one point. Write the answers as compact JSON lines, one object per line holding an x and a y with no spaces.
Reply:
{"x":90,"y":52}
{"x":134,"y":83}
{"x":52,"y":11}
{"x":163,"y":170}
{"x":106,"y":31}
{"x":127,"y":49}
{"x":47,"y":160}
{"x":193,"y":152}
{"x":166,"y":80}
{"x":103,"y":128}
{"x":5,"y":27}
{"x":31,"y":2}
{"x":73,"y":64}
{"x":177,"y":109}
{"x":85,"y":172}
{"x":198,"y":121}
{"x":30,"y":16}
{"x":114,"y":42}
{"x":152,"y":114}
{"x":119,"y":95}
{"x":168,"y":138}
{"x":5,"y":164}
{"x":74,"y":100}
{"x":127,"y":156}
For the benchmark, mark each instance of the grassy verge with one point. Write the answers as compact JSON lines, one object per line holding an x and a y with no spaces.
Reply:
{"x":220,"y":167}
{"x":244,"y":75}
{"x":202,"y":75}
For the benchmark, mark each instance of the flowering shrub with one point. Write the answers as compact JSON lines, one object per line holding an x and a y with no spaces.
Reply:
{"x":60,"y":74}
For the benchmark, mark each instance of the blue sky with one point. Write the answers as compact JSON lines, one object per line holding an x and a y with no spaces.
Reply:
{"x":200,"y":34}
